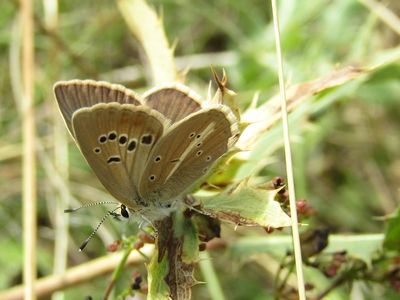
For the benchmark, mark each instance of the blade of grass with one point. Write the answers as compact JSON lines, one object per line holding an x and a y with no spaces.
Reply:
{"x":60,"y":156}
{"x":207,"y":269}
{"x":288,"y":158}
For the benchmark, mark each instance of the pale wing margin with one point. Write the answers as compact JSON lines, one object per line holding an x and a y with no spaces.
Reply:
{"x":75,"y":94}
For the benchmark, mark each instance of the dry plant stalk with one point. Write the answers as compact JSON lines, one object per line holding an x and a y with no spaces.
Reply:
{"x":29,"y":160}
{"x":77,"y":275}
{"x":147,"y":28}
{"x":288,"y":159}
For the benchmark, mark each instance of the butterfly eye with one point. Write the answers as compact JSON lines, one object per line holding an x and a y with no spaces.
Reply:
{"x":192,"y":135}
{"x":102,"y":139}
{"x":112,"y":135}
{"x":132,"y":145}
{"x":97,"y":150}
{"x":124,"y":211}
{"x":122,"y":139}
{"x":208,"y":158}
{"x":200,"y":152}
{"x":152,"y":177}
{"x":147,"y":139}
{"x":157,"y":159}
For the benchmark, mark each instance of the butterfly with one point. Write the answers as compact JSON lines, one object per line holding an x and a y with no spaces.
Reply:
{"x":146,"y":150}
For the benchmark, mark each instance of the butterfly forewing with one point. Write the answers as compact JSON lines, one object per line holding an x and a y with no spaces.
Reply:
{"x":175,"y":102}
{"x":75,"y":94}
{"x":186,"y":152}
{"x":116,"y":140}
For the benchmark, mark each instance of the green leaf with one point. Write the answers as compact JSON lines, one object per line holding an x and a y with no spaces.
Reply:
{"x":246,"y":205}
{"x":392,"y":234}
{"x":157,"y":271}
{"x":190,"y":251}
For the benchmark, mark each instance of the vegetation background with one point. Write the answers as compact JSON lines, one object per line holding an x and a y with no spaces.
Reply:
{"x":345,"y":138}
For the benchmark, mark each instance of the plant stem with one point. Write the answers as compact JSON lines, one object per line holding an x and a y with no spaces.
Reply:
{"x":117,"y":272}
{"x":148,"y":29}
{"x":288,"y":158}
{"x":29,"y":160}
{"x":210,"y":276}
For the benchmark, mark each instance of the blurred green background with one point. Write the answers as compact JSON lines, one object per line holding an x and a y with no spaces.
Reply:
{"x":345,"y":139}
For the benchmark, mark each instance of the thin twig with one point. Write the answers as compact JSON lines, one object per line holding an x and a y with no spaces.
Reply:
{"x":383,"y":13}
{"x":288,"y":158}
{"x":29,"y":160}
{"x":77,"y":275}
{"x":338,"y":281}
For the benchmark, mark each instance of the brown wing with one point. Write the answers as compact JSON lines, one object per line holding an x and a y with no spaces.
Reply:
{"x":75,"y":94}
{"x":175,"y":101}
{"x":186,"y":152}
{"x":116,"y":140}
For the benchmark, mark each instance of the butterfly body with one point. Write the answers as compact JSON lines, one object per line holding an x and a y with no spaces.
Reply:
{"x":146,"y":151}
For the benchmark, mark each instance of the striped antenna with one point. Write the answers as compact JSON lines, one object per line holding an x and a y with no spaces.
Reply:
{"x":69,"y":210}
{"x":109,"y":213}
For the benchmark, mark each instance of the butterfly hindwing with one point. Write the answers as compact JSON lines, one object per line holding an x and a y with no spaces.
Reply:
{"x":186,"y":152}
{"x":174,"y":101}
{"x":116,"y":140}
{"x":75,"y":94}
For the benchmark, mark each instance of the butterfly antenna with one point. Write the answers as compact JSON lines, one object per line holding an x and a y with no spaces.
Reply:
{"x":84,"y":244}
{"x":69,"y":210}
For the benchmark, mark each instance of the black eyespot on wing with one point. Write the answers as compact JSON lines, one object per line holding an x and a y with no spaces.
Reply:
{"x":122,"y":139}
{"x":208,"y":158}
{"x":198,"y":136}
{"x":157,"y":159}
{"x":152,"y":177}
{"x":97,"y":150}
{"x":112,"y":135}
{"x":192,"y":135}
{"x":132,"y":145}
{"x":113,"y":159}
{"x":102,"y":139}
{"x":198,"y":145}
{"x":147,"y":139}
{"x":200,"y":152}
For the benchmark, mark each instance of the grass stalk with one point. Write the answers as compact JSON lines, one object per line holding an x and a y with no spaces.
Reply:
{"x":60,"y":146}
{"x":29,"y":160}
{"x":208,"y":271}
{"x":148,"y":29}
{"x":384,"y":14}
{"x":288,"y":159}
